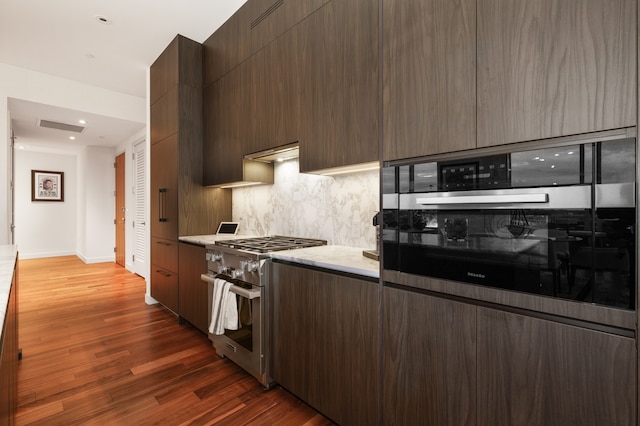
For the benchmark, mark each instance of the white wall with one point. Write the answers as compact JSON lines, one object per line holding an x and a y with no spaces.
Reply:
{"x":45,"y":228}
{"x":97,"y":186}
{"x":32,"y":86}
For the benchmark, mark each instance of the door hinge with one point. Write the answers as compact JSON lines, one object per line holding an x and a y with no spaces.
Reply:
{"x":133,"y":258}
{"x":114,"y":250}
{"x":115,"y":222}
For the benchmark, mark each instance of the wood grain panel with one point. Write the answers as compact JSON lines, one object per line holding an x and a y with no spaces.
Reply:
{"x":222,"y":153}
{"x":193,"y":292}
{"x":164,"y":287}
{"x":164,"y":253}
{"x":548,"y":68}
{"x":228,"y":46}
{"x":325,"y":341}
{"x":290,"y":296}
{"x":342,"y":53}
{"x":164,"y":116}
{"x":429,"y":95}
{"x":429,"y":360}
{"x":164,"y":71}
{"x":564,"y":308}
{"x":537,"y":372}
{"x":346,"y":349}
{"x":164,"y":176}
{"x":85,"y":328}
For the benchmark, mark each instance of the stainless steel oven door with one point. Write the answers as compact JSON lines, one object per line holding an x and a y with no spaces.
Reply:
{"x":244,"y":346}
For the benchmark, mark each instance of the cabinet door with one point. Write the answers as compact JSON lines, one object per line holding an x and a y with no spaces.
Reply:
{"x":272,"y":18}
{"x":342,"y":54}
{"x":429,"y":360}
{"x":325,"y":341}
{"x":164,"y":71}
{"x":429,"y":60}
{"x":539,"y":372}
{"x":164,"y":188}
{"x":346,"y":345}
{"x":292,"y":359}
{"x":164,"y":116}
{"x":221,"y":150}
{"x":164,"y":287}
{"x":550,"y":68}
{"x":192,"y":291}
{"x":228,"y":46}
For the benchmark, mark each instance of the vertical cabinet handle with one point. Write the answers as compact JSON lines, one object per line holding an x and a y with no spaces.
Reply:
{"x":161,"y":204}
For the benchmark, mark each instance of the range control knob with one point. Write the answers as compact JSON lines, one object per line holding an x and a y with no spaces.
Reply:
{"x":216,"y":257}
{"x":236,"y":273}
{"x":252,"y":266}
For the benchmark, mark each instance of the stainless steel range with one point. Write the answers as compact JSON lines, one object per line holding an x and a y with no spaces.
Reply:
{"x":241,"y":263}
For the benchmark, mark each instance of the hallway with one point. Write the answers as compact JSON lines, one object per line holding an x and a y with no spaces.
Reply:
{"x":95,"y":353}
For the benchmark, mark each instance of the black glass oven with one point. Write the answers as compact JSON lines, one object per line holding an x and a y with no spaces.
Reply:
{"x":556,"y":221}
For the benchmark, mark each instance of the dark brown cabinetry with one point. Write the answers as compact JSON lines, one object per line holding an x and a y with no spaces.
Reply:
{"x":550,"y":68}
{"x":192,"y":290}
{"x":429,"y":62}
{"x":316,"y":84}
{"x":253,"y":26}
{"x":429,"y":359}
{"x":180,"y":205}
{"x":449,"y":362}
{"x":341,"y":48}
{"x":324,"y":336}
{"x":9,"y":357}
{"x":535,"y":70}
{"x":541,"y":372}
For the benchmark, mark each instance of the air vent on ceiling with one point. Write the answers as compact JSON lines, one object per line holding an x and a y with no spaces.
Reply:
{"x":60,"y":126}
{"x":266,"y":13}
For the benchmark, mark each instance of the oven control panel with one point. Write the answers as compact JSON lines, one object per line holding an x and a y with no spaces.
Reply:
{"x":235,"y":266}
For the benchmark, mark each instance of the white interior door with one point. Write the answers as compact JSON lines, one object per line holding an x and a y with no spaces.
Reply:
{"x":139,"y":264}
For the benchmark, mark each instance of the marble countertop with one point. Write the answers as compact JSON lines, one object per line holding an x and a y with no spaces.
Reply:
{"x":8,"y":257}
{"x":336,"y":258}
{"x":203,"y":240}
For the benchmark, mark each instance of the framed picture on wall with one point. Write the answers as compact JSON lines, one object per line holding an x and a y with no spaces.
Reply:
{"x":47,"y":186}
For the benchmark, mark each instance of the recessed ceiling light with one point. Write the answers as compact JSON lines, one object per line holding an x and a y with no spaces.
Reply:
{"x":82,"y":122}
{"x":89,"y":56}
{"x":103,"y":20}
{"x":73,"y":138}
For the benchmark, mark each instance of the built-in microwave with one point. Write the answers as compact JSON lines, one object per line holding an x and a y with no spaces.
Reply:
{"x":553,"y":220}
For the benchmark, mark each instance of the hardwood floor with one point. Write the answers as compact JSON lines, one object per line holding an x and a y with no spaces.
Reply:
{"x":95,"y":353}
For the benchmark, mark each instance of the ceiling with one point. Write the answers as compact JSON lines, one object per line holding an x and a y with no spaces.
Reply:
{"x":69,"y":39}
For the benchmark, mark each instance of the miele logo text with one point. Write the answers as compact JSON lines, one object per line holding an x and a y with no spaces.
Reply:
{"x":475,"y":275}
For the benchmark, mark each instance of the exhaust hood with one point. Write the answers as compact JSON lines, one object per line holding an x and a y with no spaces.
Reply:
{"x":257,"y":168}
{"x":281,"y":153}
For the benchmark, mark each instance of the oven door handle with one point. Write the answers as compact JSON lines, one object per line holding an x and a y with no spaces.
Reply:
{"x":483,"y":199}
{"x":240,"y":291}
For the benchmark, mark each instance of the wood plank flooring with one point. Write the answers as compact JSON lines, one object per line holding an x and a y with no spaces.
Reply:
{"x":95,"y":353}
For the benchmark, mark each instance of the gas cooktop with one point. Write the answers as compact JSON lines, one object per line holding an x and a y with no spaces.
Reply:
{"x":268,"y":244}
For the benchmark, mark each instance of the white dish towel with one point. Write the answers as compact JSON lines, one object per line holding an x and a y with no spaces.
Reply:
{"x":224,"y":308}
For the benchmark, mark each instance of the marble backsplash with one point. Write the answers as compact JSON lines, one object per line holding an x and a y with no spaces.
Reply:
{"x":338,"y":209}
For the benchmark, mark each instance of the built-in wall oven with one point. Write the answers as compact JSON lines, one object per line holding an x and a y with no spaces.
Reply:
{"x":555,"y":220}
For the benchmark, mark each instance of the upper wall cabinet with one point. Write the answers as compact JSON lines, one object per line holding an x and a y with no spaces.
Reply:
{"x":550,"y":68}
{"x":253,"y":26}
{"x":429,"y":60}
{"x":339,"y":44}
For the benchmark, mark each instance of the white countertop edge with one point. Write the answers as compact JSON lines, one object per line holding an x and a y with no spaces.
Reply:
{"x":332,"y":257}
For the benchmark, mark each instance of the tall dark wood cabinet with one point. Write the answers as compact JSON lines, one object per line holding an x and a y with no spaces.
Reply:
{"x":180,"y":205}
{"x":324,"y":329}
{"x":429,"y":63}
{"x":550,"y":68}
{"x":429,"y":360}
